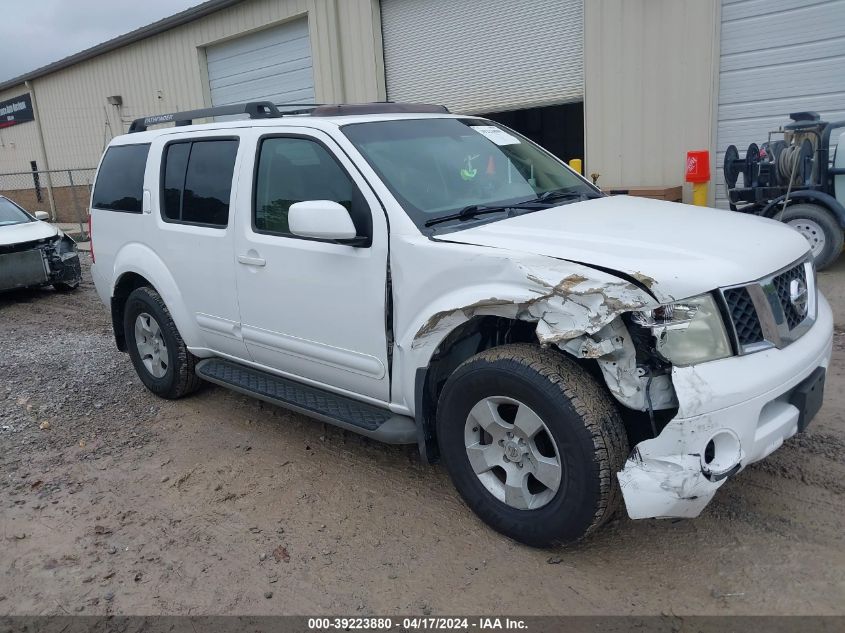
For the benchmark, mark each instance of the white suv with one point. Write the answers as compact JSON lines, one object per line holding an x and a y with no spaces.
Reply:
{"x":420,"y":277}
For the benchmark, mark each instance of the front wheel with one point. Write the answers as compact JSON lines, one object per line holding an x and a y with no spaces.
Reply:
{"x":160,"y":356}
{"x":820,"y":228}
{"x":532,"y":443}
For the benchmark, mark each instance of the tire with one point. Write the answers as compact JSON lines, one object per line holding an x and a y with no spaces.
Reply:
{"x":577,"y":414}
{"x":167,"y":368}
{"x":820,"y":227}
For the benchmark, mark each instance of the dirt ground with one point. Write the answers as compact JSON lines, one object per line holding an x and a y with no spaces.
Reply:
{"x":114,"y":501}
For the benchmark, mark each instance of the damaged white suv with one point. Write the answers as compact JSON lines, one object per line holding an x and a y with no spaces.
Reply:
{"x":419,"y":277}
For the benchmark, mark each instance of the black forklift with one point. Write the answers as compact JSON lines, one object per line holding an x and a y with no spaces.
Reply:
{"x":798,"y":179}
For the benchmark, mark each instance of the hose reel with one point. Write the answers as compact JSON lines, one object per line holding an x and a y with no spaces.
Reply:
{"x":748,"y":166}
{"x":795,"y":164}
{"x":779,"y":164}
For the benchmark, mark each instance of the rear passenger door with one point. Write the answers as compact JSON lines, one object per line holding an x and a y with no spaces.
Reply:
{"x":312,"y":309}
{"x":195,"y":237}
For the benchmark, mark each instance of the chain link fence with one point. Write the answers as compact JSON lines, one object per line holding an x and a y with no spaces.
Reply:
{"x":63,"y":193}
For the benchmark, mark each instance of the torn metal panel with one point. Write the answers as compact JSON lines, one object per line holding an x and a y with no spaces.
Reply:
{"x":672,"y":486}
{"x":563,"y":309}
{"x":670,"y":476}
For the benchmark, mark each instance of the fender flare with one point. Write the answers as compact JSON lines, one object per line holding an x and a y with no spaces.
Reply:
{"x":141,"y":260}
{"x":808,"y":195}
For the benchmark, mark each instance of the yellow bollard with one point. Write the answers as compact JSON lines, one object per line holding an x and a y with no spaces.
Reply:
{"x":576,"y":165}
{"x":699,"y":194}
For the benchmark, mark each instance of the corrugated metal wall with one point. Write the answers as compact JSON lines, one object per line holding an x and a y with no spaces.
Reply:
{"x":484,"y":55}
{"x":777,"y":57}
{"x":650,"y":68}
{"x":167,"y":72}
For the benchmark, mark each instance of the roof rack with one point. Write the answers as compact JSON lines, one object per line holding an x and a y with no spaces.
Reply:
{"x":255,"y":110}
{"x":378,"y":107}
{"x":267,"y":110}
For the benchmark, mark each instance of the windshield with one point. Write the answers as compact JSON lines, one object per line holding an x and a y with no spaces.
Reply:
{"x":10,"y":213}
{"x":440,"y":167}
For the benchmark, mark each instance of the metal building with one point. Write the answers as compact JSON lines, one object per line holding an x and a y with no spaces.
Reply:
{"x":628,"y":85}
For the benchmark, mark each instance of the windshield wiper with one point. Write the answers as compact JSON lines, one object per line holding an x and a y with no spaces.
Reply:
{"x":540,"y":202}
{"x":468,"y":212}
{"x":563,"y":194}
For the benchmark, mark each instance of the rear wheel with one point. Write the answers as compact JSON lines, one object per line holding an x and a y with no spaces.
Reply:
{"x":820,"y":228}
{"x":532,"y":443}
{"x":161,"y":359}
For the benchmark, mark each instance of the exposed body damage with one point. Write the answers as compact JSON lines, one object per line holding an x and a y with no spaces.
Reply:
{"x":572,"y":306}
{"x":746,"y":412}
{"x":586,"y":313}
{"x":564,"y":310}
{"x":582,"y":316}
{"x":36,"y":254}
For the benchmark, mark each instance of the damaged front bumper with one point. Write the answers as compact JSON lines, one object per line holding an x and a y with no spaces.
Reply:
{"x":53,"y":260}
{"x":732,"y":413}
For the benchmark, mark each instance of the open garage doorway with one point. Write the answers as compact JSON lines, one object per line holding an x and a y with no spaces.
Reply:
{"x":558,"y":128}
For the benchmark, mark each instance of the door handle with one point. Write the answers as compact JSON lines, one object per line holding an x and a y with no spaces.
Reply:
{"x":252,"y":261}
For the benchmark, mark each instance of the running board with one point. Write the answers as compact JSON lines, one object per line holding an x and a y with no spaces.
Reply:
{"x":352,"y":415}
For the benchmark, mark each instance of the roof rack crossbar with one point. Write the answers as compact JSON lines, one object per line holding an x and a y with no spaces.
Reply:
{"x":255,"y":110}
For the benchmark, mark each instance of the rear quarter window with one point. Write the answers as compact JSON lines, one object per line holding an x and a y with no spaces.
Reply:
{"x":120,"y":180}
{"x":197,"y":181}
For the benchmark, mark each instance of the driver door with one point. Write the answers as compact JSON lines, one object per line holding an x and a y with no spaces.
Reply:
{"x":312,"y":309}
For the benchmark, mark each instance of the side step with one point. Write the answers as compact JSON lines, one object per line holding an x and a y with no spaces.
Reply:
{"x":360,"y":417}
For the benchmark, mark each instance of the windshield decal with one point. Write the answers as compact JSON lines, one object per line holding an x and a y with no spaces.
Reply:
{"x":495,"y":134}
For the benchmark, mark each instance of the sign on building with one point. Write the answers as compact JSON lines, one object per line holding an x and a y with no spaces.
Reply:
{"x":17,"y":110}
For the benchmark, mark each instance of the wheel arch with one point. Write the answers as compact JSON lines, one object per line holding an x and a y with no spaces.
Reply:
{"x":135,"y":266}
{"x":812,"y":196}
{"x":124,"y":286}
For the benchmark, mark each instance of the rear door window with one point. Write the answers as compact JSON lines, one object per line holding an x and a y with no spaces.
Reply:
{"x":120,"y":180}
{"x":197,"y":181}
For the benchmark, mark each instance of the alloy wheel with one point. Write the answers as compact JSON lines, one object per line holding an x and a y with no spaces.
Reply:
{"x":513,"y":453}
{"x":151,"y":345}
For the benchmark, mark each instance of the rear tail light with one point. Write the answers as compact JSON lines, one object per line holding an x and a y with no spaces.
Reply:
{"x":91,"y":239}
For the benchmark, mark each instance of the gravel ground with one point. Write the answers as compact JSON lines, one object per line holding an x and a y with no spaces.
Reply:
{"x":114,"y":501}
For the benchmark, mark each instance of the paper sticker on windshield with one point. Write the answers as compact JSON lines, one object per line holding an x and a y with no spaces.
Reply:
{"x":495,"y":134}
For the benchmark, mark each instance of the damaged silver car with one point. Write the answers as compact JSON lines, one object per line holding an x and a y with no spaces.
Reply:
{"x":421,"y":277}
{"x":34,"y":253}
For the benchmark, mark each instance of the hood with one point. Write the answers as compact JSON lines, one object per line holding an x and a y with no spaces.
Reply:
{"x":676,"y":250}
{"x":26,"y":232}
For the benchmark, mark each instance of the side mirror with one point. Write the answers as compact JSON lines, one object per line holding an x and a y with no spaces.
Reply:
{"x":42,"y":215}
{"x":321,"y":219}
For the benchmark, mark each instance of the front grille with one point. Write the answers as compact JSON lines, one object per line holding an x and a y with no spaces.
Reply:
{"x":782,"y":286}
{"x":763,"y":313}
{"x":744,"y":316}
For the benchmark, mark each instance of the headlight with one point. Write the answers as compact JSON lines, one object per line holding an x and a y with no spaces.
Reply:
{"x":687,"y":332}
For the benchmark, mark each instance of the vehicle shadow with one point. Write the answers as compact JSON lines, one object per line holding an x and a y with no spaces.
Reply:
{"x":24,"y":295}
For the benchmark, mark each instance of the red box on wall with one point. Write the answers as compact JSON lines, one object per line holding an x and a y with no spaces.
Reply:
{"x":698,"y":166}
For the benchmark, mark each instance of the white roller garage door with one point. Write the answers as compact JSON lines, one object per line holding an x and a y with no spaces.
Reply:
{"x":777,"y":57}
{"x":270,"y":65}
{"x":483,"y":56}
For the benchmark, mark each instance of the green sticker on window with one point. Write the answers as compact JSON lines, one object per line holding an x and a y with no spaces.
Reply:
{"x":469,"y":172}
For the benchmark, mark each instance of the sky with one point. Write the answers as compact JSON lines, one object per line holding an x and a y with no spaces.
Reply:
{"x":34,"y":33}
